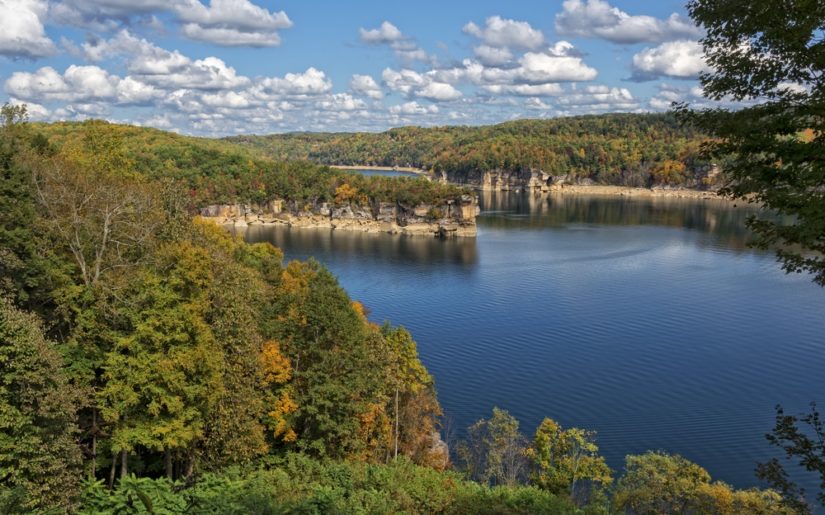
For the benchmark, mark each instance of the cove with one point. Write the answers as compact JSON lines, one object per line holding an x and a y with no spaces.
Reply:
{"x":649,"y":321}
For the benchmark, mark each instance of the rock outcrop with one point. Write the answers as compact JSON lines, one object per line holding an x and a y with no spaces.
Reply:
{"x":501,"y":180}
{"x":453,"y":218}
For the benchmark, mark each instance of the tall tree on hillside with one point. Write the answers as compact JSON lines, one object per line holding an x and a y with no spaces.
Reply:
{"x":163,"y":376}
{"x":566,"y":462}
{"x":22,"y":275}
{"x":39,"y":457}
{"x":494,"y":451}
{"x":774,"y":55}
{"x":336,"y":363}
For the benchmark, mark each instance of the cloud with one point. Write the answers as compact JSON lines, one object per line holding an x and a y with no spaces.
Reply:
{"x":534,"y":73}
{"x":366,"y":85}
{"x":209,"y":73}
{"x":536,"y":103}
{"x":222,"y":22}
{"x":310,"y":82}
{"x":21,"y":29}
{"x":544,"y":67}
{"x":230,"y":37}
{"x":231,"y":23}
{"x":598,"y":19}
{"x":499,"y":32}
{"x":410,"y":83}
{"x":493,"y":56}
{"x":600,"y":98}
{"x":413,"y":108}
{"x":162,"y":68}
{"x":679,"y":59}
{"x":439,"y":92}
{"x":77,"y":83}
{"x":388,"y":34}
{"x":131,"y":91}
{"x":525,"y":90}
{"x":341,"y":102}
{"x":385,"y":34}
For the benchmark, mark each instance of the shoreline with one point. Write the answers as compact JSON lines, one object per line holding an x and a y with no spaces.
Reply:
{"x":575,"y":189}
{"x":431,"y":230}
{"x":624,"y":191}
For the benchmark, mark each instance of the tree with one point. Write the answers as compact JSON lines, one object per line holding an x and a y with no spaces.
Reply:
{"x":494,"y":451}
{"x":771,"y":55}
{"x":39,"y":459}
{"x":656,"y":482}
{"x":567,"y":462}
{"x":806,"y":446}
{"x":22,"y":265}
{"x":163,"y":375}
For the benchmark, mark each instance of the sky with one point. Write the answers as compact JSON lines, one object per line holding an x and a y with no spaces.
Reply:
{"x":225,"y":67}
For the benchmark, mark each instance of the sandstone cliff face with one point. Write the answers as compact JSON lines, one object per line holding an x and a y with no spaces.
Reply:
{"x":454,"y":218}
{"x":501,"y":180}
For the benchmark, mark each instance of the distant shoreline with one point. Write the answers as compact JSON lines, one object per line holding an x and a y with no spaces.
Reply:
{"x":573,"y":189}
{"x":623,"y":191}
{"x":407,"y":169}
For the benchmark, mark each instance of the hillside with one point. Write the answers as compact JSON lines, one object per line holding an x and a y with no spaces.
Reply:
{"x":224,"y":172}
{"x":616,"y":149}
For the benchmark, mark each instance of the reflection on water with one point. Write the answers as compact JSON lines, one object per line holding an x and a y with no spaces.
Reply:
{"x":527,"y":210}
{"x":348,"y":245}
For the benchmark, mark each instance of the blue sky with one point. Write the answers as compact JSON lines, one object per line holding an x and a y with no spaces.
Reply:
{"x":221,"y":67}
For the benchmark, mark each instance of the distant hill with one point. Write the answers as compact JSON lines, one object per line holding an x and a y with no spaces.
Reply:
{"x":619,"y":149}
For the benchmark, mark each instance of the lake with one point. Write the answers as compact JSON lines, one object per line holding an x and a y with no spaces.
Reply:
{"x":649,"y":321}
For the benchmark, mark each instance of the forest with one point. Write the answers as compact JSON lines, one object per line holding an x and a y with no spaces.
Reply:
{"x":219,"y":172}
{"x":638,"y":150}
{"x":152,"y":363}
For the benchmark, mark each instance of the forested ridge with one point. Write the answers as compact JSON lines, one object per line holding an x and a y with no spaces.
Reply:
{"x":215,"y":171}
{"x":152,"y":363}
{"x":615,"y":149}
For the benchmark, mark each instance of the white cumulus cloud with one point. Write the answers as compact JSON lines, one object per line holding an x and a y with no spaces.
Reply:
{"x":21,"y":29}
{"x":366,"y":85}
{"x":501,"y":32}
{"x":680,"y":59}
{"x":386,"y":33}
{"x":598,"y":19}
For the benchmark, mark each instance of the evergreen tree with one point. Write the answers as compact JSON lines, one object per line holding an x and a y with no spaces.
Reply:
{"x":39,"y":457}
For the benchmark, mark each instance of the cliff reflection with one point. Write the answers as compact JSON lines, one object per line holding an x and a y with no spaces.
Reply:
{"x":303,"y":243}
{"x":527,"y":210}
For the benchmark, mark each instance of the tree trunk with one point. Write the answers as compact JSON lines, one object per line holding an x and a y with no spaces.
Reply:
{"x":396,"y":422}
{"x":112,"y":471}
{"x":167,"y":462}
{"x":94,"y":444}
{"x":190,"y":466}
{"x":124,"y":463}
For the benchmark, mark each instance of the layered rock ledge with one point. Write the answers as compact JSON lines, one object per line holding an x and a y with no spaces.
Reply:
{"x":453,"y":218}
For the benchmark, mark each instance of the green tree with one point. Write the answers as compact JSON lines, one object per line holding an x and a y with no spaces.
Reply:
{"x":495,"y":450}
{"x":657,"y":483}
{"x":802,"y":438}
{"x":39,"y":459}
{"x":772,"y":149}
{"x":566,"y":462}
{"x":338,"y":366}
{"x":22,"y":265}
{"x":163,"y":374}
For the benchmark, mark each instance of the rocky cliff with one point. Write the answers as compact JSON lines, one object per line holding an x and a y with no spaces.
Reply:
{"x":502,"y":180}
{"x":453,"y":218}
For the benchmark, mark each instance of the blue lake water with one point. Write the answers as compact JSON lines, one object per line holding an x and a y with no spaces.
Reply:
{"x":649,"y":321}
{"x":384,"y":173}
